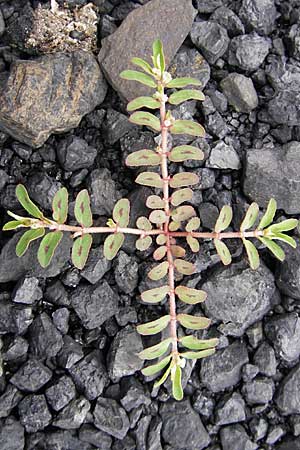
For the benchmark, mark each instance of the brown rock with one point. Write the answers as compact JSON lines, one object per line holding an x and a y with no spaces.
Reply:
{"x":49,"y":95}
{"x":168,"y":20}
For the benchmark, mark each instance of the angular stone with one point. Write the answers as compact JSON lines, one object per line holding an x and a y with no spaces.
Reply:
{"x":89,"y":375}
{"x":248,"y":51}
{"x":44,"y":338}
{"x":189,"y":62}
{"x":62,"y":439}
{"x":14,"y":319}
{"x":70,"y":353}
{"x":239,"y":296}
{"x":211,"y":39}
{"x":234,"y":437}
{"x":115,"y":126}
{"x":288,"y":394}
{"x":98,"y":438}
{"x":12,"y":435}
{"x":73,"y":415}
{"x":61,"y":393}
{"x":2,"y":24}
{"x":122,"y":359}
{"x":49,"y":95}
{"x":27,"y":291}
{"x":9,"y":400}
{"x":94,"y":304}
{"x":240,"y":92}
{"x":293,"y":40}
{"x":126,"y":273}
{"x":264,"y":358}
{"x":275,"y":175}
{"x":288,"y":273}
{"x":231,"y":410}
{"x":284,"y":108}
{"x":60,"y":319}
{"x":259,"y":15}
{"x":283,"y":75}
{"x":229,"y":20}
{"x":207,"y":6}
{"x":223,"y":370}
{"x":284,"y":333}
{"x":130,"y":40}
{"x":31,"y":376}
{"x":74,"y":153}
{"x":34,"y":413}
{"x":103,"y":192}
{"x":258,"y":391}
{"x":223,"y":156}
{"x":97,"y":265}
{"x":111,"y":418}
{"x":187,"y":423}
{"x":134,"y":394}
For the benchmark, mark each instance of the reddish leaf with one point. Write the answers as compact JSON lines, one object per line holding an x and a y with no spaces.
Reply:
{"x":160,"y":253}
{"x":177,"y":251}
{"x":185,"y":152}
{"x":187,"y":127}
{"x":149,"y":179}
{"x":183,"y":179}
{"x":180,"y":196}
{"x":193,"y":244}
{"x":121,"y":212}
{"x":184,"y":267}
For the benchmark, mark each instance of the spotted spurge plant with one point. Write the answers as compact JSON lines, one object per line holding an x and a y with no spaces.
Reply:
{"x":171,"y":219}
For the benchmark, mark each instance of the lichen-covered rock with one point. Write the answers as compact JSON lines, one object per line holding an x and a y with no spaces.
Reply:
{"x":49,"y":95}
{"x":167,"y":18}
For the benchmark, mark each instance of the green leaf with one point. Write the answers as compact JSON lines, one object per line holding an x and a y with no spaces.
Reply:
{"x":161,"y":239}
{"x":143,"y":243}
{"x":60,"y":205}
{"x":198,"y":355}
{"x":159,"y":271}
{"x":112,"y":245}
{"x":154,"y":201}
{"x":143,"y":223}
{"x":180,"y":196}
{"x":284,"y":238}
{"x":158,"y":55}
{"x":13,"y":224}
{"x":163,"y":378}
{"x":26,"y":238}
{"x":274,"y":248}
{"x":176,"y":384}
{"x":183,"y":82}
{"x":189,"y":295}
{"x":143,"y":158}
{"x":28,"y":205}
{"x":143,"y":102}
{"x":269,"y":215}
{"x":183,"y":213}
{"x":252,"y":254}
{"x":188,"y":94}
{"x":223,"y":252}
{"x":156,"y":351}
{"x":185,"y":152}
{"x":224,"y":219}
{"x":82,"y":209}
{"x":193,"y":322}
{"x":145,"y":118}
{"x":187,"y":127}
{"x":184,"y":179}
{"x":193,"y":224}
{"x":154,"y":327}
{"x":177,"y":251}
{"x":174,"y":226}
{"x":160,"y":253}
{"x":184,"y":267}
{"x":250,"y":217}
{"x":81,"y":249}
{"x":152,"y":179}
{"x":193,"y":343}
{"x":134,"y":75}
{"x":158,"y":216}
{"x":193,"y":244}
{"x":143,"y":65}
{"x":155,"y":295}
{"x":285,"y":225}
{"x":156,"y":368}
{"x":121,"y":212}
{"x":48,"y":246}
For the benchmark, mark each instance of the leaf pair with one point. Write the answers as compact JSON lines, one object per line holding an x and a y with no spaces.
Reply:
{"x":114,"y":241}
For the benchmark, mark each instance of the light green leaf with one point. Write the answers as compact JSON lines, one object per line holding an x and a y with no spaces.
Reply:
{"x":193,"y":322}
{"x":163,"y":378}
{"x":183,"y":213}
{"x":134,"y":75}
{"x":193,"y":224}
{"x":143,"y":65}
{"x":180,"y":196}
{"x":13,"y":224}
{"x":159,"y":271}
{"x":112,"y":245}
{"x":188,"y":94}
{"x":274,"y":248}
{"x":154,"y":327}
{"x":250,"y":217}
{"x":81,"y":249}
{"x":149,"y":179}
{"x":143,"y":158}
{"x":143,"y":243}
{"x":224,"y":219}
{"x":189,"y":295}
{"x":193,"y":343}
{"x":158,"y":216}
{"x":155,"y":295}
{"x":184,"y":267}
{"x":143,"y":223}
{"x":156,"y":351}
{"x":60,"y":205}
{"x":160,"y":253}
{"x":121,"y":212}
{"x":174,"y":226}
{"x":156,"y":368}
{"x":198,"y":355}
{"x":184,"y":179}
{"x":285,"y":225}
{"x":176,"y":384}
{"x":82,"y":209}
{"x":154,"y":202}
{"x":26,"y":238}
{"x":187,"y":127}
{"x":193,"y":244}
{"x":158,"y":55}
{"x":269,"y":215}
{"x":183,"y":82}
{"x":284,"y":238}
{"x":185,"y":152}
{"x":177,"y":251}
{"x":252,"y":254}
{"x":48,"y":246}
{"x":145,"y":118}
{"x":28,"y":205}
{"x":143,"y":102}
{"x":223,"y":251}
{"x":161,"y":239}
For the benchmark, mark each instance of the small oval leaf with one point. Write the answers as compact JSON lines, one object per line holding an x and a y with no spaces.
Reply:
{"x":121,"y":212}
{"x":155,"y":202}
{"x":183,"y":213}
{"x":161,"y":239}
{"x":184,"y":267}
{"x":223,"y":251}
{"x":174,"y":226}
{"x":134,"y":75}
{"x":26,"y":202}
{"x":193,"y":244}
{"x":177,"y":251}
{"x":158,"y":216}
{"x":13,"y":225}
{"x":159,"y":271}
{"x":274,"y":248}
{"x":112,"y":245}
{"x":82,"y":209}
{"x":285,"y":225}
{"x":48,"y":246}
{"x":145,"y":118}
{"x":149,"y":179}
{"x":187,"y":127}
{"x":193,"y":224}
{"x":81,"y":249}
{"x":154,"y":327}
{"x":193,"y":343}
{"x":143,"y":243}
{"x":189,"y":295}
{"x":158,"y":55}
{"x":187,"y":94}
{"x":176,"y":384}
{"x":143,"y":223}
{"x":183,"y":179}
{"x":143,"y":65}
{"x":180,"y":196}
{"x":160,"y":253}
{"x":285,"y":238}
{"x":143,"y":102}
{"x":224,"y":219}
{"x":193,"y":322}
{"x":269,"y":215}
{"x":250,"y":217}
{"x":156,"y":351}
{"x":252,"y":254}
{"x":155,"y":295}
{"x":143,"y":158}
{"x":26,"y":238}
{"x":186,"y":152}
{"x":183,"y":82}
{"x":60,"y":205}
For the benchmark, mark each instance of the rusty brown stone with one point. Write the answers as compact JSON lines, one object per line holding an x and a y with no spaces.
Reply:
{"x":49,"y":95}
{"x":168,"y":20}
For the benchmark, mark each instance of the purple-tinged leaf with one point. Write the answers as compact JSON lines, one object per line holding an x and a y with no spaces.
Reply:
{"x":26,"y":238}
{"x":189,"y":295}
{"x":224,"y":219}
{"x":155,"y":295}
{"x":223,"y":251}
{"x":187,"y":127}
{"x":154,"y":327}
{"x":193,"y":322}
{"x":184,"y":267}
{"x":112,"y":245}
{"x":81,"y":249}
{"x":143,"y":243}
{"x":183,"y":179}
{"x":82,"y":209}
{"x":159,"y":271}
{"x":143,"y":223}
{"x":48,"y":246}
{"x":193,"y":224}
{"x":193,"y":343}
{"x":186,"y":152}
{"x":160,"y":253}
{"x":143,"y":102}
{"x":145,"y":118}
{"x":143,"y":158}
{"x":121,"y":212}
{"x":134,"y":75}
{"x":193,"y":244}
{"x":187,"y":94}
{"x":152,"y":179}
{"x":60,"y":205}
{"x":183,"y":82}
{"x":156,"y":351}
{"x":180,"y":196}
{"x":177,"y":251}
{"x":26,"y":202}
{"x":155,"y":202}
{"x":183,"y":213}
